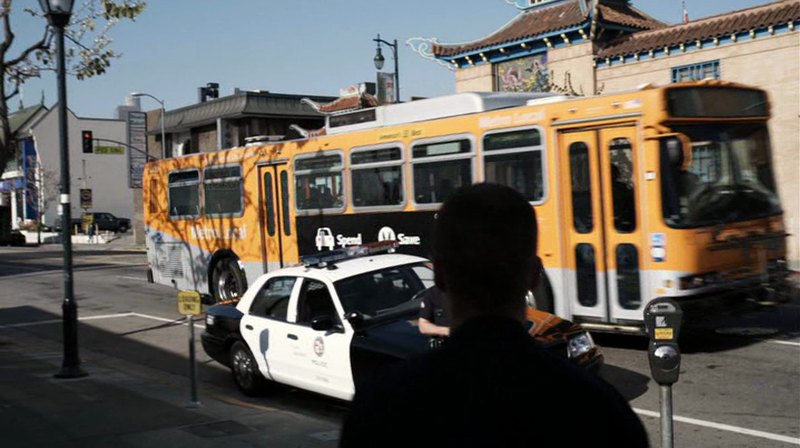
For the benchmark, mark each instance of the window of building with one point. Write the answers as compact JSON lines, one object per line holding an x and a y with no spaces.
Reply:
{"x":184,"y":194}
{"x":515,"y":159}
{"x":696,"y":72}
{"x":439,"y":168}
{"x":377,"y":177}
{"x":318,"y":182}
{"x":223,"y":190}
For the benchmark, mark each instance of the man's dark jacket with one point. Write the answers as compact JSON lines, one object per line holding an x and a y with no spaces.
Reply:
{"x":490,"y":385}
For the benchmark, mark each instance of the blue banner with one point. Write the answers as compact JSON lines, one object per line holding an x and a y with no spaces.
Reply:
{"x":29,"y":165}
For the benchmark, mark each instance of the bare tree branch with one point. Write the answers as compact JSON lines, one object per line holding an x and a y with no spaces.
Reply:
{"x":14,"y":93}
{"x":41,"y":45}
{"x":9,"y":35}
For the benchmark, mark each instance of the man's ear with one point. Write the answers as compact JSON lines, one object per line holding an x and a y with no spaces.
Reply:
{"x":438,"y":277}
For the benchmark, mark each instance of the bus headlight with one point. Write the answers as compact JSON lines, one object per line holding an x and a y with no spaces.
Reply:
{"x":579,"y":344}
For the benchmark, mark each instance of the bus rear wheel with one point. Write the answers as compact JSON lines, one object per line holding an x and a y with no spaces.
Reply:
{"x":227,"y":280}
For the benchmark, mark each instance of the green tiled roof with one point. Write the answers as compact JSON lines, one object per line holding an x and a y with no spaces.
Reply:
{"x":18,"y":119}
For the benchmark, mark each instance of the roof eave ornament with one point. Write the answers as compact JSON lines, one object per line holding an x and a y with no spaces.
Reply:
{"x":314,"y":105}
{"x":594,"y":19}
{"x":423,"y":46}
{"x":583,"y":6}
{"x":303,"y":133}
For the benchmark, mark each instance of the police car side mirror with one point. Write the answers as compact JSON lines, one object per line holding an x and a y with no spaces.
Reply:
{"x":356,"y":320}
{"x":322,"y":323}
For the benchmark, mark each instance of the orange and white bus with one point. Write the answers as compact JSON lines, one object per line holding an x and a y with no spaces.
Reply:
{"x":657,"y":192}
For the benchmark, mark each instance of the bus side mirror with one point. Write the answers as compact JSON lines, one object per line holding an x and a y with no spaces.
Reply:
{"x":678,"y":151}
{"x":674,"y":152}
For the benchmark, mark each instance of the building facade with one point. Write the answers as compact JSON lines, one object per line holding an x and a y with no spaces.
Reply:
{"x":18,"y":185}
{"x":104,"y":170}
{"x":589,"y":47}
{"x":219,"y":123}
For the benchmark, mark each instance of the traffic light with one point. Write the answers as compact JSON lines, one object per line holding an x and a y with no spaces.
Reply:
{"x":88,"y":142}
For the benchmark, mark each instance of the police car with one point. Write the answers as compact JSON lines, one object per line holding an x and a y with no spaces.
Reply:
{"x":330,"y":324}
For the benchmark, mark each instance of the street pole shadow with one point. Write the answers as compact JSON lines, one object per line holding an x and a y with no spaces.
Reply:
{"x":122,"y":346}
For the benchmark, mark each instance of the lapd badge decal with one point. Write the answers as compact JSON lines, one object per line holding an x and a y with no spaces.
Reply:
{"x":319,"y":346}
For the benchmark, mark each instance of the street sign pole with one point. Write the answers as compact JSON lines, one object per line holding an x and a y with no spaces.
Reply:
{"x":189,"y":305}
{"x":192,"y":365}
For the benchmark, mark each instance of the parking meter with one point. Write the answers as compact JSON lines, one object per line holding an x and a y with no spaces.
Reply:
{"x":662,"y":319}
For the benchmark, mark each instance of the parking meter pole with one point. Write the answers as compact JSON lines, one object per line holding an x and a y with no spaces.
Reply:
{"x":666,"y":416}
{"x":192,"y":365}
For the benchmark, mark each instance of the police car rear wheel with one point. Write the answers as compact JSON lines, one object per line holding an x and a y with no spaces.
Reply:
{"x":245,"y":370}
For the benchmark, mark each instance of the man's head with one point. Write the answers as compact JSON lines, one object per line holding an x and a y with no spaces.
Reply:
{"x":484,"y":251}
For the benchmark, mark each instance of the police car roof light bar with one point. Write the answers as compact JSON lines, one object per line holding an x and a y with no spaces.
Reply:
{"x":329,"y":258}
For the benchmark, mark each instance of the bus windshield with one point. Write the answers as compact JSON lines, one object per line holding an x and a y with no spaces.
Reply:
{"x":729,"y":179}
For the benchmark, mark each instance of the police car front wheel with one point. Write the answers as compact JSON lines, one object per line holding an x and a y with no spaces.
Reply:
{"x":245,"y":370}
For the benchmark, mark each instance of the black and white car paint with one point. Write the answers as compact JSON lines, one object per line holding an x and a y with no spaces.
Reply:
{"x":327,"y":328}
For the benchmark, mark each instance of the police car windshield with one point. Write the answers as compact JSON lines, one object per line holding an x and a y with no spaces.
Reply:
{"x":379,"y":291}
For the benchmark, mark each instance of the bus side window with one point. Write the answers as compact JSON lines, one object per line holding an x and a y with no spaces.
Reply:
{"x":153,"y":207}
{"x":582,"y":217}
{"x":184,"y":194}
{"x":318,"y":182}
{"x":515,"y":159}
{"x":622,"y":193}
{"x":223,"y":190}
{"x":439,"y":168}
{"x":376,"y":177}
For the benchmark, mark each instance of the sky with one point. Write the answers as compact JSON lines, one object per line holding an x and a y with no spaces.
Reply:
{"x":310,"y":47}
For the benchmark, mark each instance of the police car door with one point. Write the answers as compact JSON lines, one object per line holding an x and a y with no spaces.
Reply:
{"x":264,"y":326}
{"x":320,"y":359}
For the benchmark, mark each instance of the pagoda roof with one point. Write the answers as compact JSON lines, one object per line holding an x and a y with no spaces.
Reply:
{"x":744,"y":20}
{"x":550,"y":19}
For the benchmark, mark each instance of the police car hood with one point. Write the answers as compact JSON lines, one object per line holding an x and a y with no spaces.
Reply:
{"x":398,"y":339}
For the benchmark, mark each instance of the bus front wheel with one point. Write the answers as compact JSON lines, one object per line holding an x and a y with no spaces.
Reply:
{"x":227,"y":280}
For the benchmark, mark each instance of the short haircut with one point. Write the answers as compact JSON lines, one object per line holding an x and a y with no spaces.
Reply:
{"x":484,"y":241}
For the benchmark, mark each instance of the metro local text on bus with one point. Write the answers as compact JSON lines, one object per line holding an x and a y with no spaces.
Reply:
{"x":516,"y":118}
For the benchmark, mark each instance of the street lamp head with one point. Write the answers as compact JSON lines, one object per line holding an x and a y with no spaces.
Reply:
{"x":141,"y":94}
{"x":57,"y":12}
{"x":379,"y":59}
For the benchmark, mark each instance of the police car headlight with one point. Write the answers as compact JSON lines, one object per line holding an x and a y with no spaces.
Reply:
{"x":579,"y":344}
{"x":209,"y":320}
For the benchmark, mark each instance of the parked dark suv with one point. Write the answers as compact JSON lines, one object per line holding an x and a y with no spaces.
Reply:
{"x":102,"y":221}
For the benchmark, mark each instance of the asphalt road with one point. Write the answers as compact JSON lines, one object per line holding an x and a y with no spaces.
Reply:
{"x":739,"y":383}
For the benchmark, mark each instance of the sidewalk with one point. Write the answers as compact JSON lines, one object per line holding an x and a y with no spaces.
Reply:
{"x":103,"y":240}
{"x":122,"y":404}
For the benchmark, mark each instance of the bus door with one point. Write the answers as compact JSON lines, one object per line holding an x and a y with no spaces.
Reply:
{"x":600,"y":210}
{"x":277,"y":248}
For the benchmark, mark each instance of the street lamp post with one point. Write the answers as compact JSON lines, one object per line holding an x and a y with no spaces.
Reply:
{"x":58,"y":13}
{"x":163,"y":112}
{"x":379,"y":59}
